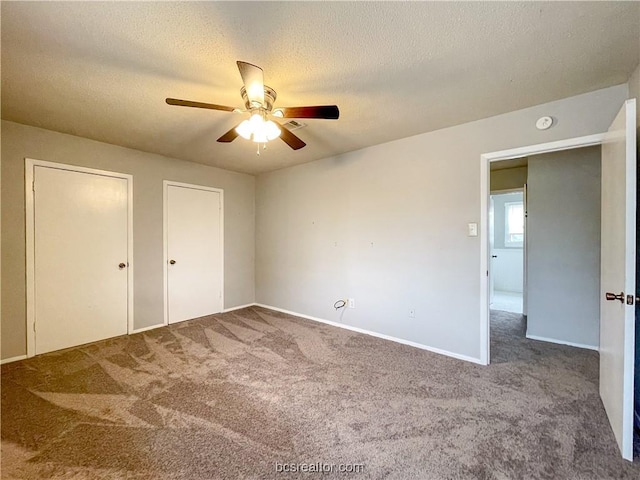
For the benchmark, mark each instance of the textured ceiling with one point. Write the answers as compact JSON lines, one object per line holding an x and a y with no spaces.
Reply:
{"x":103,"y":70}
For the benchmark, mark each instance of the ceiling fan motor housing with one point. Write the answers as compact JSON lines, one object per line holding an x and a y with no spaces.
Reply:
{"x":269,"y":98}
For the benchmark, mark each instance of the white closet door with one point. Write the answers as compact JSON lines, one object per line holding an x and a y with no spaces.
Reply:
{"x":80,"y":257}
{"x":194,"y":252}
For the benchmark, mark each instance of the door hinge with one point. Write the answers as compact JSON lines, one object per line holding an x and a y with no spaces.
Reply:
{"x":33,"y":186}
{"x":34,"y":326}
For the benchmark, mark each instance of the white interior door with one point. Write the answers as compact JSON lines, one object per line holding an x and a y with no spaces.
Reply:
{"x":524,"y":252}
{"x":492,"y":254}
{"x":80,"y":257}
{"x":194,"y":252}
{"x":617,"y":275}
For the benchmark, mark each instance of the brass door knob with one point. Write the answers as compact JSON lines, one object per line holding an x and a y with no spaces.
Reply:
{"x":612,"y":296}
{"x":122,"y":265}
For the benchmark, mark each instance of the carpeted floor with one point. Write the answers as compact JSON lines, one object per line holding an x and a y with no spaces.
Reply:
{"x":232,"y":395}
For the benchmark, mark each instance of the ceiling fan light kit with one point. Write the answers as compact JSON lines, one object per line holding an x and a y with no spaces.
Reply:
{"x":258,"y":129}
{"x":258,"y":101}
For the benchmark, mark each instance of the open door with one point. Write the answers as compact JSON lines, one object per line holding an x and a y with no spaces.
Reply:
{"x":524,"y":252}
{"x":617,"y":275}
{"x":491,"y":250}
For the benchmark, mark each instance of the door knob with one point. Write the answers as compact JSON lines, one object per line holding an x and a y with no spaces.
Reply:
{"x":612,"y":296}
{"x":122,"y":265}
{"x":172,"y":262}
{"x":494,"y":256}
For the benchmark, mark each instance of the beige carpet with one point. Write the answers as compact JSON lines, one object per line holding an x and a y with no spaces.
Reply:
{"x":231,"y":395}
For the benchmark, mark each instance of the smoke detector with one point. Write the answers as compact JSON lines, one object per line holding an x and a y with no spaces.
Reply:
{"x":544,"y":123}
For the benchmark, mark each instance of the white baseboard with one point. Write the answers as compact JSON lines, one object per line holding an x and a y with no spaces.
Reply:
{"x":562,"y":342}
{"x":145,"y":329}
{"x":328,"y":322}
{"x":231,"y":309}
{"x":12,"y":359}
{"x":376,"y":334}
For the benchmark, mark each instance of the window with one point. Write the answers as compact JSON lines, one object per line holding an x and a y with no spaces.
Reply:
{"x":513,"y":224}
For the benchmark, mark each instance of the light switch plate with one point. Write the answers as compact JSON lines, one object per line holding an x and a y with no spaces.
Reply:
{"x":473,"y":230}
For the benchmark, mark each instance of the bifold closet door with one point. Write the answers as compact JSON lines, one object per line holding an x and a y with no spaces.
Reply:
{"x":194,"y":252}
{"x":80,"y":257}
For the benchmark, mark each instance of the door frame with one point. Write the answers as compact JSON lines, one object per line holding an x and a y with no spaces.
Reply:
{"x":485,"y":191}
{"x":29,"y":170}
{"x":165,"y":238}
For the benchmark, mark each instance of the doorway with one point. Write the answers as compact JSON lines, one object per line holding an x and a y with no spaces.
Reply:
{"x":193,"y":251}
{"x":549,"y":243}
{"x":487,"y":162}
{"x":79,"y":246}
{"x":618,"y":292}
{"x":507,"y":241}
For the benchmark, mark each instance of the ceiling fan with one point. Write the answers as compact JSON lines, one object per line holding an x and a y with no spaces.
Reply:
{"x":258,"y":101}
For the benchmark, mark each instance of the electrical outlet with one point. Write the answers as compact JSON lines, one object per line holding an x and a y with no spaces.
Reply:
{"x":352,"y":303}
{"x":412,"y":313}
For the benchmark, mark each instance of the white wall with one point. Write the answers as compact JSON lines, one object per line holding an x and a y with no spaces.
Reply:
{"x":508,"y":270}
{"x":563,"y":246}
{"x":387,"y":225}
{"x":148,"y":170}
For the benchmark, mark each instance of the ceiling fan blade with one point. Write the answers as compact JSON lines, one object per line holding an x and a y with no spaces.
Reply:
{"x":330,"y":112}
{"x":290,"y":139}
{"x":230,"y":136}
{"x":253,"y":80}
{"x":189,"y":103}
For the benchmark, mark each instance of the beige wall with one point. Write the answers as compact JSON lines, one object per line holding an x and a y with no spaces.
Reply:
{"x":634,"y":92}
{"x":148,"y":170}
{"x":508,"y":178}
{"x":387,"y":225}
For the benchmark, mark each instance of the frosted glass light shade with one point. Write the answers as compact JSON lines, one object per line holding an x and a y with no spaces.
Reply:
{"x":244,"y":130}
{"x":258,"y":130}
{"x":272,"y":130}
